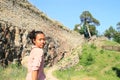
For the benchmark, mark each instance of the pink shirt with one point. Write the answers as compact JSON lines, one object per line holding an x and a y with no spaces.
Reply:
{"x":36,"y":62}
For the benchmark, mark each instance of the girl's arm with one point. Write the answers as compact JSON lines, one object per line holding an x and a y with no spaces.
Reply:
{"x":35,"y":75}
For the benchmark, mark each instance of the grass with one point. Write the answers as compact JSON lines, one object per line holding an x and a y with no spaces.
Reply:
{"x":111,"y":43}
{"x":13,"y":72}
{"x":94,"y":64}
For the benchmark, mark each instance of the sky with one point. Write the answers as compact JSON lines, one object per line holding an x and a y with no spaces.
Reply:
{"x":67,"y":12}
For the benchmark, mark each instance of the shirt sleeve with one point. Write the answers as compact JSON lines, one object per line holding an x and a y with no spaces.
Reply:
{"x":37,"y":58}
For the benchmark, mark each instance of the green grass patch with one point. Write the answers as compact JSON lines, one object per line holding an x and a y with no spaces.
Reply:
{"x":111,"y":43}
{"x":94,"y":64}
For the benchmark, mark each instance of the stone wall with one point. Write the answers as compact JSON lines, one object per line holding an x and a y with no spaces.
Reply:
{"x":15,"y":45}
{"x":12,"y":42}
{"x":112,"y":48}
{"x":20,"y":17}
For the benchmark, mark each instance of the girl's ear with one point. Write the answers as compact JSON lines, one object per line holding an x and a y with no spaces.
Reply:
{"x":33,"y":40}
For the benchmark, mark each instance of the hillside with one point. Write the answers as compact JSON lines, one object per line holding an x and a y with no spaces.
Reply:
{"x":17,"y":18}
{"x":95,"y":63}
{"x":89,"y":62}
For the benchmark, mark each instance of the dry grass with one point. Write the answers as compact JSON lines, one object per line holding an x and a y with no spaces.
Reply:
{"x":13,"y":72}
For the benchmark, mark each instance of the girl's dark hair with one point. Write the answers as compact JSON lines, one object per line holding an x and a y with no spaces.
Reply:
{"x":32,"y":35}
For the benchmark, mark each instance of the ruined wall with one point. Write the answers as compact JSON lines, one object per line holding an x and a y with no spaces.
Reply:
{"x":13,"y":40}
{"x":15,"y":45}
{"x":22,"y":16}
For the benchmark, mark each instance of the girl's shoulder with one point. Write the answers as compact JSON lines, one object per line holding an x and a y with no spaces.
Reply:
{"x":34,"y":48}
{"x":36,"y":51}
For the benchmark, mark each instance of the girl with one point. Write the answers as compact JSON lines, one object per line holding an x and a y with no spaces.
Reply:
{"x":35,"y":61}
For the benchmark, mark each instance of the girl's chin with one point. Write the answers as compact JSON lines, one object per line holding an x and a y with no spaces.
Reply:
{"x":41,"y":46}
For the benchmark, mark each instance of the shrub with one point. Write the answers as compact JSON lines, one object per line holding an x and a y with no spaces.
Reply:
{"x":87,"y":59}
{"x":93,"y":46}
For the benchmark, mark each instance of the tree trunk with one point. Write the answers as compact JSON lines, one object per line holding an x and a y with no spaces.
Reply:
{"x":88,"y":31}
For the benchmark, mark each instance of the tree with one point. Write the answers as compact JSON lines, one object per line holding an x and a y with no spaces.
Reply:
{"x":109,"y":33}
{"x":78,"y":28}
{"x":87,"y":19}
{"x":113,"y":34}
{"x":116,"y":36}
{"x":118,"y":24}
{"x":117,"y":33}
{"x":93,"y":30}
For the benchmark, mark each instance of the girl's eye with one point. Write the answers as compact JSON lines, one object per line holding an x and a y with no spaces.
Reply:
{"x":42,"y":39}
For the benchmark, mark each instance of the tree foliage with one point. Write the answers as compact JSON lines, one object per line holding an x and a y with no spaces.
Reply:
{"x":116,"y":37}
{"x":109,"y":32}
{"x":86,"y":17}
{"x":88,"y":25}
{"x":113,"y":34}
{"x":93,"y":30}
{"x":77,"y":27}
{"x":118,"y":28}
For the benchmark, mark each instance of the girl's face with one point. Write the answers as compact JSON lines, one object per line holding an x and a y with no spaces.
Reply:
{"x":39,"y":41}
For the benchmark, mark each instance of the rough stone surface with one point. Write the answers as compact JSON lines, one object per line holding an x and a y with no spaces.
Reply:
{"x":17,"y":18}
